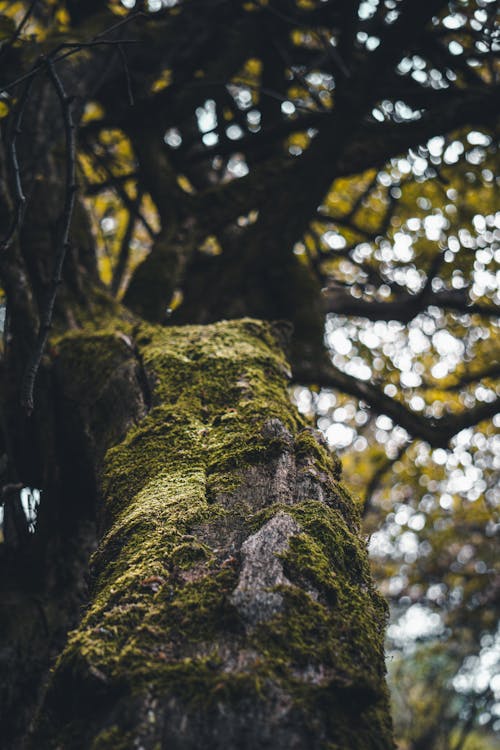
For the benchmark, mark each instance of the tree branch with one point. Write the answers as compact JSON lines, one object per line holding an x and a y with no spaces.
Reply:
{"x":436,"y":432}
{"x":469,"y":377}
{"x":19,"y":196}
{"x":28,"y":383}
{"x":124,"y":254}
{"x":116,"y":183}
{"x":375,"y":144}
{"x":404,"y":307}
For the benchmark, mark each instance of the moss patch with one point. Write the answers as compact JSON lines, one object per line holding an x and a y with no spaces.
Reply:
{"x":176,"y":511}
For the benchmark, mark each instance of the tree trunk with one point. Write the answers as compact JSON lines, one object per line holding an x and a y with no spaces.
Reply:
{"x":231,"y":604}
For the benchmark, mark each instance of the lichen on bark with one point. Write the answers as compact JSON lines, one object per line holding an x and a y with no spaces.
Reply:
{"x":231,"y":603}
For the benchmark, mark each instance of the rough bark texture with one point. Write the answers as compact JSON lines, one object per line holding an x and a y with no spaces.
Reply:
{"x":231,"y":602}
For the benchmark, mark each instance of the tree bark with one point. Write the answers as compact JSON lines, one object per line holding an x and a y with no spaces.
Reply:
{"x":231,"y":603}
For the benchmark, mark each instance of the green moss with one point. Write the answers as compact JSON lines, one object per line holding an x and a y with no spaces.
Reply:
{"x":188,"y":553}
{"x":112,"y":739}
{"x":213,"y":390}
{"x":340,"y":623}
{"x":160,"y":618}
{"x":308,"y":446}
{"x":336,"y":629}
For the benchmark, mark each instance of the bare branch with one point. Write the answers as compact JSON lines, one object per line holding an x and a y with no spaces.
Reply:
{"x":28,"y":383}
{"x":468,"y":378}
{"x":404,"y":307}
{"x":436,"y":432}
{"x":17,"y":33}
{"x":67,"y":49}
{"x":116,"y":183}
{"x":19,"y":197}
{"x":124,"y":254}
{"x":94,"y":188}
{"x":126,"y":70}
{"x":376,"y":143}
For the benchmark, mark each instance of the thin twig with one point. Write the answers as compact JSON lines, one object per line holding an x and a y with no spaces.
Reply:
{"x":126,"y":71}
{"x":121,"y":265}
{"x":28,"y":383}
{"x":94,"y":188}
{"x":24,"y":21}
{"x":71,"y":49}
{"x":300,"y":78}
{"x":119,"y":24}
{"x":19,"y":197}
{"x":115,"y":184}
{"x":335,"y":56}
{"x":19,"y":28}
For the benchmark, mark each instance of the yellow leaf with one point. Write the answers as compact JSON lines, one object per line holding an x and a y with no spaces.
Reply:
{"x":117,"y":8}
{"x":93,"y":111}
{"x":253,"y":66}
{"x":176,"y":300}
{"x":184,"y":183}
{"x":210,"y":246}
{"x":62,"y":18}
{"x":162,"y":82}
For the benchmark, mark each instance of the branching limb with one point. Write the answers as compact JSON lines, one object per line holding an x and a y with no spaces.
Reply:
{"x":298,"y":75}
{"x":19,"y":196}
{"x":375,"y":144}
{"x":116,"y":182}
{"x":28,"y":383}
{"x":126,"y":71}
{"x":436,"y":432}
{"x":17,"y":33}
{"x":94,"y":188}
{"x":348,"y":220}
{"x":468,"y":378}
{"x":67,"y":49}
{"x":404,"y":307}
{"x":124,"y":254}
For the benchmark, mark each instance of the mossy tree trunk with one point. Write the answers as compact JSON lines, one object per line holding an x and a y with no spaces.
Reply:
{"x":231,"y":604}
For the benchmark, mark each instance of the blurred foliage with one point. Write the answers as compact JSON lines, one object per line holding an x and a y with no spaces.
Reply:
{"x":433,"y":515}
